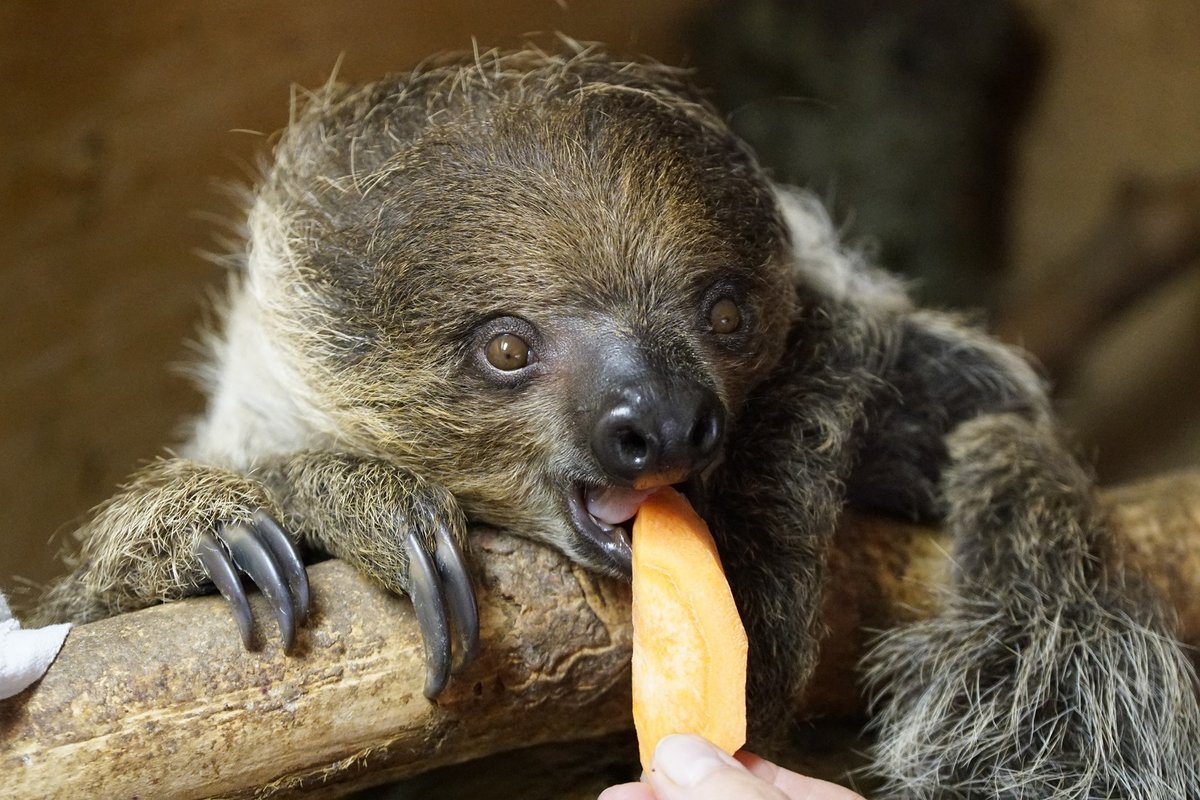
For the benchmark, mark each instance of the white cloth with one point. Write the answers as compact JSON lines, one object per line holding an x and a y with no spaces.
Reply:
{"x":25,"y":655}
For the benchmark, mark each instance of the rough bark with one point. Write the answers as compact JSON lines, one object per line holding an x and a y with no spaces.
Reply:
{"x":164,"y":702}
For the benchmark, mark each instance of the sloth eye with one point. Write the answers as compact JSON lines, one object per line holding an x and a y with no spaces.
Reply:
{"x":725,"y":316}
{"x":508,"y":352}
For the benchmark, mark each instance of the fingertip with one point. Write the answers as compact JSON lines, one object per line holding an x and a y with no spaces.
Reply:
{"x":686,"y":760}
{"x":758,"y":766}
{"x":791,"y":783}
{"x":627,"y":791}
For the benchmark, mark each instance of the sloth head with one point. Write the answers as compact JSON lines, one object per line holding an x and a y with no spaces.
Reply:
{"x":546,"y":282}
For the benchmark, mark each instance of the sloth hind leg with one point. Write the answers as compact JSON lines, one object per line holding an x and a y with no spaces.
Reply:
{"x":1050,"y":672}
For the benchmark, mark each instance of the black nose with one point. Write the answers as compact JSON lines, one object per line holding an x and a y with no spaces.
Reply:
{"x":657,"y":431}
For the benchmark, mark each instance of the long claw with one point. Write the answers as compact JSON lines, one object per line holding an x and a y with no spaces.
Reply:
{"x":430,"y":606}
{"x":255,"y":559}
{"x":220,"y":571}
{"x":460,"y":594}
{"x":288,"y":559}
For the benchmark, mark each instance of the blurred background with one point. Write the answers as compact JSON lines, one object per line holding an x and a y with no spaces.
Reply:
{"x":1036,"y":160}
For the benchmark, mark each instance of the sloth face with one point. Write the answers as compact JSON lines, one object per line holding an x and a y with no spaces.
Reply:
{"x":552,"y":303}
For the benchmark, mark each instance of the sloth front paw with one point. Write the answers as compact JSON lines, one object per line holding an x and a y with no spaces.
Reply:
{"x":263,"y":550}
{"x":397,"y":528}
{"x":436,"y":579}
{"x":442,"y":597}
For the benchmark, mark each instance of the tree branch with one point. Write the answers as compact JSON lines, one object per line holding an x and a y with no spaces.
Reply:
{"x":164,"y":702}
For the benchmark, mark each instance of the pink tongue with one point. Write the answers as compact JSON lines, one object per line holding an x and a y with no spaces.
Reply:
{"x":613,"y":505}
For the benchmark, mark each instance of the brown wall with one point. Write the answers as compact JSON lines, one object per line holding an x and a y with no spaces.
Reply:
{"x":116,"y":121}
{"x":1119,"y":102}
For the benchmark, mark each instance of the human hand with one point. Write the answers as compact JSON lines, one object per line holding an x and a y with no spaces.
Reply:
{"x":687,"y":767}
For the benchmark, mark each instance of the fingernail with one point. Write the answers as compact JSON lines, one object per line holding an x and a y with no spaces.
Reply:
{"x":686,"y":760}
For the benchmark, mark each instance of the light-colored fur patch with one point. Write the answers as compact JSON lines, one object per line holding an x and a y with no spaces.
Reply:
{"x":259,"y":406}
{"x":826,"y":265}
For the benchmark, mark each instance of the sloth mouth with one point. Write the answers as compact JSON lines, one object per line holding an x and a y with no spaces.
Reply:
{"x":599,"y":515}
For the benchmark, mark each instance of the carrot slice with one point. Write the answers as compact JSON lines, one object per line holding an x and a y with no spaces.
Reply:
{"x":689,"y":646}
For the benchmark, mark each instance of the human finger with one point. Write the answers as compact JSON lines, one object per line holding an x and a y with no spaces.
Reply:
{"x":628,"y":791}
{"x":794,"y":785}
{"x":687,"y":767}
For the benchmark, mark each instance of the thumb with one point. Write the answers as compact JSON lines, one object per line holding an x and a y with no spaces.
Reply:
{"x":687,"y":767}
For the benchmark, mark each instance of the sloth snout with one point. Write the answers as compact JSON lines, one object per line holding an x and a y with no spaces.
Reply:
{"x":656,"y":432}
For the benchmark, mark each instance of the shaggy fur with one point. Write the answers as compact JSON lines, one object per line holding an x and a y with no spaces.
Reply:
{"x":598,"y":208}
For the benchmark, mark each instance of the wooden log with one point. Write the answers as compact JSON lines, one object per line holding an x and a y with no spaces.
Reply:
{"x":164,"y":703}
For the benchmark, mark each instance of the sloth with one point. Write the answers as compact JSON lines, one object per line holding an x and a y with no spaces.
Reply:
{"x":525,"y":289}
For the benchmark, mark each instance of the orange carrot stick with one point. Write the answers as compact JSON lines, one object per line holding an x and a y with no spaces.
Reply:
{"x":689,"y":646}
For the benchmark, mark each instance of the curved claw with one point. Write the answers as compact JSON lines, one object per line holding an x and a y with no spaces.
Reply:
{"x":220,"y":571}
{"x":254,"y":557}
{"x":288,"y":559}
{"x":460,"y":594}
{"x":425,"y":588}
